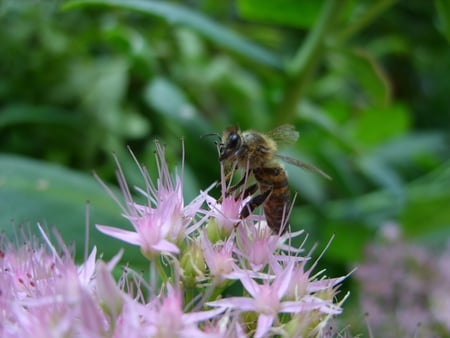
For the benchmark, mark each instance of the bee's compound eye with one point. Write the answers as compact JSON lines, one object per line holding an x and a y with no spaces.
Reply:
{"x":233,"y":141}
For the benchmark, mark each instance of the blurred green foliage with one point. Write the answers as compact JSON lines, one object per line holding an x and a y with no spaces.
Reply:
{"x":365,"y":83}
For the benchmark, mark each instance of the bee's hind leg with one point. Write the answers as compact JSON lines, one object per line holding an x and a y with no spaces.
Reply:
{"x":255,"y":202}
{"x":247,"y":191}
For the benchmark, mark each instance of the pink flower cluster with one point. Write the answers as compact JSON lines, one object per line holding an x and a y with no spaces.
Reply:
{"x":405,"y":287}
{"x":212,"y":275}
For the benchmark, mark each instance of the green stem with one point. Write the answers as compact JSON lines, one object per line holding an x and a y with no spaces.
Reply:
{"x":160,"y":270}
{"x":365,"y":19}
{"x":304,"y":63}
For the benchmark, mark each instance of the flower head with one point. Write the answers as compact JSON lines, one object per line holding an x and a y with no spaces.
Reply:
{"x":267,"y":300}
{"x":162,"y":224}
{"x":43,"y":291}
{"x":219,"y":257}
{"x":256,"y":244}
{"x":167,"y":318}
{"x":196,"y":257}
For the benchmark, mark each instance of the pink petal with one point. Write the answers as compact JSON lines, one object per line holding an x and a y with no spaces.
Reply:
{"x":86,"y":271}
{"x":264,"y":325}
{"x":241,"y":303}
{"x":124,"y":235}
{"x":166,"y":246}
{"x":324,"y":284}
{"x":284,"y":280}
{"x":298,"y":306}
{"x":250,"y":285}
{"x":194,"y":317}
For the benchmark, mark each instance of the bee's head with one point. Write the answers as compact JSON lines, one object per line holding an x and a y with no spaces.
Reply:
{"x":230,"y":145}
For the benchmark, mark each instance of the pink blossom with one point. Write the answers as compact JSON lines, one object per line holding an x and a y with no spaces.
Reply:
{"x":219,"y":256}
{"x":257,"y":244}
{"x":162,"y":224}
{"x":267,"y":300}
{"x":42,"y":292}
{"x":166,"y":317}
{"x":226,"y":210}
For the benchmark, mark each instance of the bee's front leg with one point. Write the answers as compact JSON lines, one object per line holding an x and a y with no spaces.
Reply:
{"x":236,"y":186}
{"x":247,"y":192}
{"x":255,"y":202}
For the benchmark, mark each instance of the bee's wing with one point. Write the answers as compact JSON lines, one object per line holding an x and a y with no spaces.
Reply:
{"x":284,"y":134}
{"x":302,"y":165}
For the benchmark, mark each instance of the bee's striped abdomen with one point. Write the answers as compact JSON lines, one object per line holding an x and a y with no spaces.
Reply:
{"x":277,"y":203}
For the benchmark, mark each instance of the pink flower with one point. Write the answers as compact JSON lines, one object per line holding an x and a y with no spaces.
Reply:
{"x":166,"y":317}
{"x":267,"y":300}
{"x":219,"y":256}
{"x":43,"y":292}
{"x":226,"y":210}
{"x":162,"y":225}
{"x":257,"y":244}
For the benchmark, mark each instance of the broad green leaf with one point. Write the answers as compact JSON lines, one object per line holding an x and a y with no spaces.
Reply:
{"x":293,"y":13}
{"x":376,"y":125}
{"x":380,"y":173}
{"x":315,"y":115}
{"x":15,"y":114}
{"x":102,"y":83}
{"x":359,"y":67}
{"x":420,"y":210}
{"x":407,"y":150}
{"x":169,"y":100}
{"x":370,"y":76}
{"x":427,"y":209}
{"x":34,"y":192}
{"x":350,"y":239}
{"x":176,"y":14}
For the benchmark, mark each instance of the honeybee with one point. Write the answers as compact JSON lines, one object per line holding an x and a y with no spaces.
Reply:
{"x":256,"y":154}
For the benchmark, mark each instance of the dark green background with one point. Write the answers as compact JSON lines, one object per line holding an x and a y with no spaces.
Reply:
{"x":364,"y":82}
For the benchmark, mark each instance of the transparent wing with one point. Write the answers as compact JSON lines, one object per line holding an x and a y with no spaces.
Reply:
{"x":284,"y":134}
{"x":303,"y":165}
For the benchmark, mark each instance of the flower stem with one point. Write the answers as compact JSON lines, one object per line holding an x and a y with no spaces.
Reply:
{"x":306,"y":60}
{"x":364,"y":20}
{"x":160,"y":270}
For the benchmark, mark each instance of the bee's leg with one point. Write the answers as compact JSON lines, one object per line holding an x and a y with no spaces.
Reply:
{"x":227,"y":177}
{"x":254,"y":203}
{"x":240,"y":184}
{"x":232,"y":188}
{"x":247,"y":191}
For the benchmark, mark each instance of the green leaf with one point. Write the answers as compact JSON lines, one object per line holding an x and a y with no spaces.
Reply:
{"x":293,"y":13}
{"x":380,"y":173}
{"x":376,"y":125}
{"x":360,"y":67}
{"x":168,"y":99}
{"x":422,"y":209}
{"x":34,"y":192}
{"x":349,"y":240}
{"x":16,"y":113}
{"x":370,"y":76}
{"x":177,"y":14}
{"x":404,"y":151}
{"x":427,"y":206}
{"x":443,"y":12}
